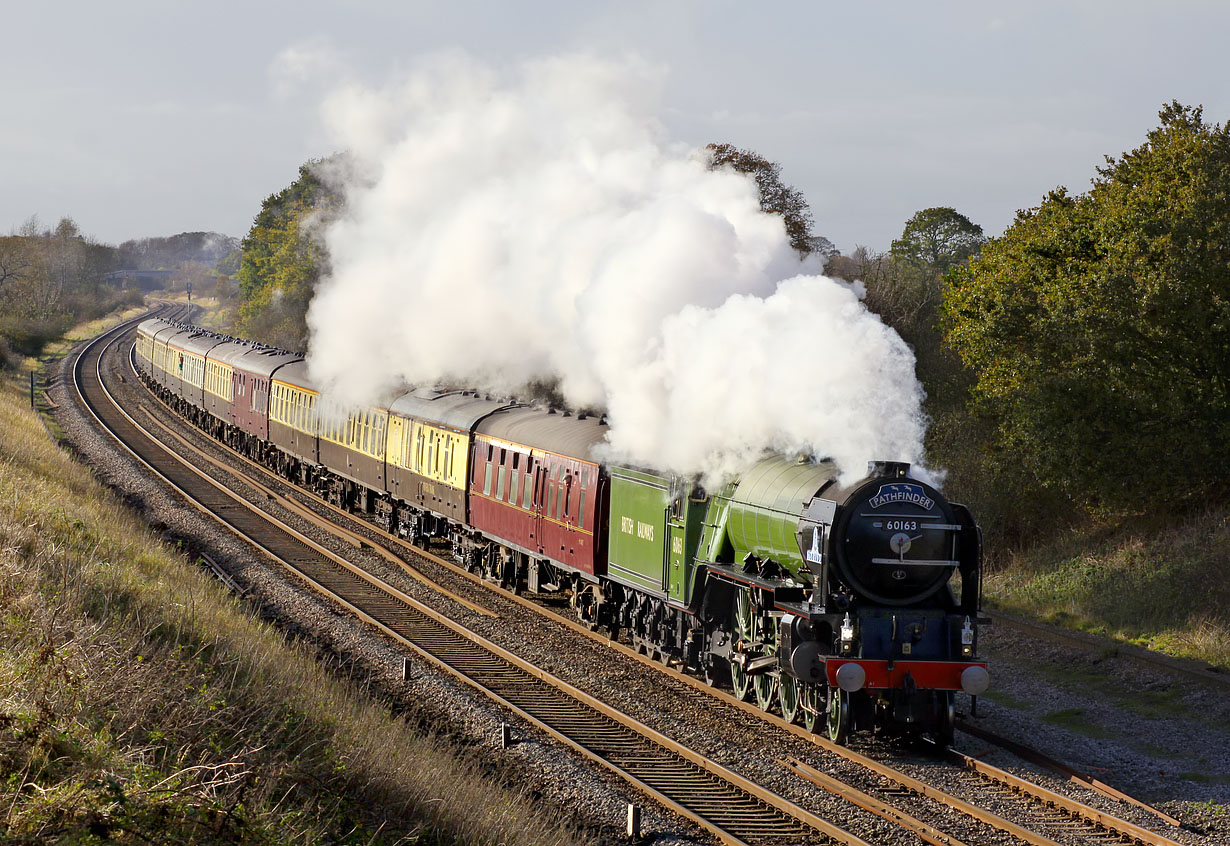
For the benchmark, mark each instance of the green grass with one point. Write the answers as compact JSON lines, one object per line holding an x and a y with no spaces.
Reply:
{"x":1074,"y":719}
{"x":1164,"y":587}
{"x":1006,"y":699}
{"x":141,"y":703}
{"x":1205,"y":778}
{"x":1149,"y":703}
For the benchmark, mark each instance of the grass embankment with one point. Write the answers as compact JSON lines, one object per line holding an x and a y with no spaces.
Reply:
{"x":141,"y":703}
{"x":1166,"y":587}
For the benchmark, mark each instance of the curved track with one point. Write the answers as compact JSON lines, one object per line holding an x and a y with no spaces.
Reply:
{"x":724,"y":803}
{"x":730,"y":807}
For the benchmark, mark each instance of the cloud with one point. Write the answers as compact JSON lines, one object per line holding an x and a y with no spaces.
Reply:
{"x":306,"y":64}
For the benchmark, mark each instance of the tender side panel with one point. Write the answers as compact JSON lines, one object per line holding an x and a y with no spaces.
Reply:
{"x":640,"y":504}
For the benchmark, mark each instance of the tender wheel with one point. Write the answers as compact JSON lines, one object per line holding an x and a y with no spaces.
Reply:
{"x":789,"y":696}
{"x":744,"y":626}
{"x":838,"y":715}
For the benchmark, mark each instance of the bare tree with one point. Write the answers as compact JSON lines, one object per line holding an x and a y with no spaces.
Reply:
{"x":14,"y":260}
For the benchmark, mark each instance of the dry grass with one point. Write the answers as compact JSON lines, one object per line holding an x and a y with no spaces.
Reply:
{"x":1166,"y":587}
{"x":140,"y":703}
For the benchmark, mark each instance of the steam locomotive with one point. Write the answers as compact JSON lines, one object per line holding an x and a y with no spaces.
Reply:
{"x":845,"y":606}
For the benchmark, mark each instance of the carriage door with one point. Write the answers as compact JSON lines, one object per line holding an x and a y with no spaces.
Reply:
{"x":538,"y":495}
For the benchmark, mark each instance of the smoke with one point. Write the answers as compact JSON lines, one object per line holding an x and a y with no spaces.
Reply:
{"x":537,"y":224}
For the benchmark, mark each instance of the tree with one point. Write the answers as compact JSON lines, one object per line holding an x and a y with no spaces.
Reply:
{"x":50,"y":279}
{"x":775,"y":196}
{"x":864,"y":264}
{"x":937,"y":239}
{"x":1098,"y":325}
{"x":14,"y":260}
{"x":282,"y":260}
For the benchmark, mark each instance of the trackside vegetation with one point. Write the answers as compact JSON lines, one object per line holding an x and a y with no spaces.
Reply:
{"x":141,"y":703}
{"x":1159,"y":584}
{"x":1097,"y":326}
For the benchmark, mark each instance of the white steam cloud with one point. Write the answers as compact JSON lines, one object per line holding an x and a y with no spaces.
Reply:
{"x":501,"y":229}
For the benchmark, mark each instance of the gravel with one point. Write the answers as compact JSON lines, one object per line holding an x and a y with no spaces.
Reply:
{"x":1159,"y":737}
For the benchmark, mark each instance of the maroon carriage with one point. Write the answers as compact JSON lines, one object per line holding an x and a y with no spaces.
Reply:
{"x":537,"y":488}
{"x":253,"y":367}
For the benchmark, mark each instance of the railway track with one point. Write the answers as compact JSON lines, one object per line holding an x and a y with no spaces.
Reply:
{"x":1049,"y":811}
{"x":732,"y":808}
{"x":716,"y":798}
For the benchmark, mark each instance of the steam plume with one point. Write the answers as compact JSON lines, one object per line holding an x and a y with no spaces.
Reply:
{"x":503,"y":229}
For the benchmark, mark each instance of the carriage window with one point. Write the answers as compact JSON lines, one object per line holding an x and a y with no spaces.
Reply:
{"x":581,"y":511}
{"x":565,"y":494}
{"x":487,"y":481}
{"x":499,"y":485}
{"x":527,"y":498}
{"x":550,"y":499}
{"x":513,"y":488}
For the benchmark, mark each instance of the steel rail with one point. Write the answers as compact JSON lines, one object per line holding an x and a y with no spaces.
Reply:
{"x":1071,"y":807}
{"x":327,"y":526}
{"x":732,"y":808}
{"x":927,"y":833}
{"x":1036,"y":757}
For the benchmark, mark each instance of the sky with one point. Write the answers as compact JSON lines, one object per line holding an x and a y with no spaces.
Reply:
{"x":146,"y":118}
